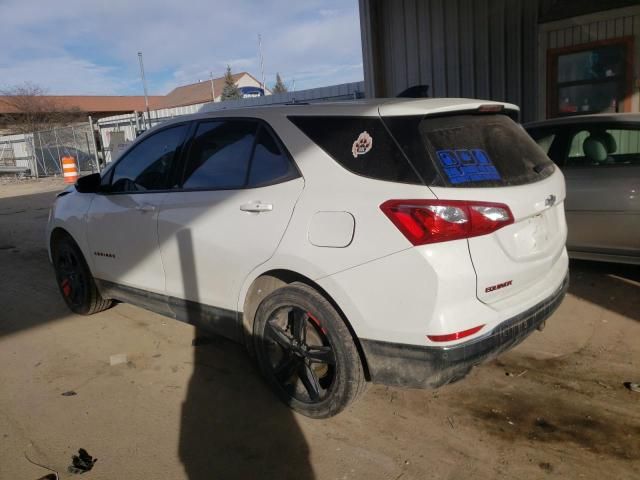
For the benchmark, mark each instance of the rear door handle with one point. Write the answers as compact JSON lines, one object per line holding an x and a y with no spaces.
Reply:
{"x":256,"y":207}
{"x":145,"y":207}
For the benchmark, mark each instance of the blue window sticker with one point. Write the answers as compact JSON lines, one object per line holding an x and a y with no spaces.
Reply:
{"x":464,"y":165}
{"x":447,"y":158}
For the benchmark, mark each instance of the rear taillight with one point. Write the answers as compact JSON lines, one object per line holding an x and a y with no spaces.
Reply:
{"x":432,"y":221}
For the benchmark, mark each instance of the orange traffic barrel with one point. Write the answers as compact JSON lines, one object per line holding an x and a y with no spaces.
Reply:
{"x":69,"y":169}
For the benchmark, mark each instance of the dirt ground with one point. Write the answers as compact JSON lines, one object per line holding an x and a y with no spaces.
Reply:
{"x":555,"y":407}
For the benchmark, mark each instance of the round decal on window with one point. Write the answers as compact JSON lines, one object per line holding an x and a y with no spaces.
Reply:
{"x":362,"y":145}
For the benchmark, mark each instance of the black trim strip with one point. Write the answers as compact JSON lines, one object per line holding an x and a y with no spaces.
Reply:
{"x":219,"y":321}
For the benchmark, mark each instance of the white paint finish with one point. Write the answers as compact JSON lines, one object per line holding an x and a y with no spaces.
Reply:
{"x":125,"y":225}
{"x":524,"y":251}
{"x":209,"y":245}
{"x":331,"y":229}
{"x":203,"y":247}
{"x":69,"y":212}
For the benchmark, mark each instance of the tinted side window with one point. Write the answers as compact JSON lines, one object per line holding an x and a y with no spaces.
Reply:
{"x":362,"y":145}
{"x":148,"y":165}
{"x":219,"y":155}
{"x":269,"y":164}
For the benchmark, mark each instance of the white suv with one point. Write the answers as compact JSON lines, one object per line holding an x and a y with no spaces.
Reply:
{"x":393,"y":241}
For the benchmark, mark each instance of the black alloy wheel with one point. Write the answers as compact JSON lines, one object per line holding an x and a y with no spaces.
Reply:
{"x":306,"y":351}
{"x":74,"y":278}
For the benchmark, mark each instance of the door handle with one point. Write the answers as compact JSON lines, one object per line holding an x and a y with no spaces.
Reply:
{"x":145,"y":207}
{"x":256,"y":207}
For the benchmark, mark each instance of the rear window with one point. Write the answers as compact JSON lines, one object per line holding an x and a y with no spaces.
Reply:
{"x":362,"y":145}
{"x":470,"y":150}
{"x":467,"y":150}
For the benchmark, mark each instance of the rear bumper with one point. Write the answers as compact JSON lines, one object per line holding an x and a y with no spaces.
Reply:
{"x":430,"y":367}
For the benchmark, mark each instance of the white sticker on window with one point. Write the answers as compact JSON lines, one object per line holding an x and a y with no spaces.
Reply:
{"x":362,"y":145}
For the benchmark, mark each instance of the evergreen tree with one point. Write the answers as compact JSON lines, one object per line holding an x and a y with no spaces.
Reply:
{"x":230,"y":90}
{"x":279,"y":87}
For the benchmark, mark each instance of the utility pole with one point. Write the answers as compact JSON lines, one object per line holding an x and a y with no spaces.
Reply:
{"x":213,"y":92}
{"x":264,"y":90}
{"x":144,"y":85}
{"x":293,"y":88}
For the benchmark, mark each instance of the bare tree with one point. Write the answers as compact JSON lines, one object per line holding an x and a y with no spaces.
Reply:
{"x":25,"y":108}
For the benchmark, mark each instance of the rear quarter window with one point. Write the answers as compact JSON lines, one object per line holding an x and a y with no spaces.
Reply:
{"x":362,"y":145}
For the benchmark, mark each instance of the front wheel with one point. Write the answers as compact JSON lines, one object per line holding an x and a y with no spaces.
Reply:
{"x":74,"y":279}
{"x":306,"y":352}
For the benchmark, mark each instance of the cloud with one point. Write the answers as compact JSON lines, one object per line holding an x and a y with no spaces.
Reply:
{"x":64,"y":75}
{"x":315,"y":42}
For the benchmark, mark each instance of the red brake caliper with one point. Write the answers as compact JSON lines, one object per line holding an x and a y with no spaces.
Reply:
{"x":66,"y":287}
{"x":315,"y":320}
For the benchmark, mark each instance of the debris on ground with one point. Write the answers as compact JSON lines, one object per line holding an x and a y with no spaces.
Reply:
{"x":451,"y":422}
{"x":546,"y":466}
{"x":81,"y":463}
{"x":634,"y":387}
{"x":118,"y":359}
{"x":68,"y":393}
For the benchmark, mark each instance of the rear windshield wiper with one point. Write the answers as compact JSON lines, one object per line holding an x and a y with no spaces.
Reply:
{"x":541,"y":167}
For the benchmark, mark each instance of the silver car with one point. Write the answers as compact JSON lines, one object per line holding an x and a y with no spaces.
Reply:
{"x":600,"y":158}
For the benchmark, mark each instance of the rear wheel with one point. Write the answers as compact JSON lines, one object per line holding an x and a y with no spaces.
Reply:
{"x":306,"y":352}
{"x":74,"y":279}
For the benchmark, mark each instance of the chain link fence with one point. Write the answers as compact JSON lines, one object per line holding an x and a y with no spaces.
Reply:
{"x":39,"y":154}
{"x":48,"y":147}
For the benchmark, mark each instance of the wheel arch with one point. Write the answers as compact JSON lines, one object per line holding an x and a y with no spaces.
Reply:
{"x":269,"y":281}
{"x":56,"y":234}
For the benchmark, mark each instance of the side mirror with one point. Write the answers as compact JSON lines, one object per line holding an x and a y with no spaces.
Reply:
{"x":89,"y":183}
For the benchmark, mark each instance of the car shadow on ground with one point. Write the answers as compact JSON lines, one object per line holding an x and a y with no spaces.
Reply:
{"x":606,"y":284}
{"x":232,"y":425}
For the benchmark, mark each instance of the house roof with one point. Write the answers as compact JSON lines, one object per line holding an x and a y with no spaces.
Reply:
{"x":197,"y":92}
{"x":89,"y":103}
{"x":181,"y":96}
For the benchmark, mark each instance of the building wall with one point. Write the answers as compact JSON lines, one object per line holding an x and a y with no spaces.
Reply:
{"x":460,"y":48}
{"x":622,"y":22}
{"x":492,"y":49}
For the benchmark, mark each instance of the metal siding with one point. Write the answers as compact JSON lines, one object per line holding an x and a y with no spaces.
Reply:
{"x":481,"y":49}
{"x":513,"y":51}
{"x":628,"y":25}
{"x":497,"y":45}
{"x":388,"y":48}
{"x":467,"y":72}
{"x":437,"y":45}
{"x":602,"y":30}
{"x":593,"y":33}
{"x":412,"y":43}
{"x":398,"y":50}
{"x":424,"y":41}
{"x":530,"y":90}
{"x":452,"y":47}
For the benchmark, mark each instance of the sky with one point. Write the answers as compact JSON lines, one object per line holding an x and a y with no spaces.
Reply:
{"x":90,"y":46}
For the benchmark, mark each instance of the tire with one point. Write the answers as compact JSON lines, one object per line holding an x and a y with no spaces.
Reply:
{"x":306,"y":352}
{"x":76,"y":284}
